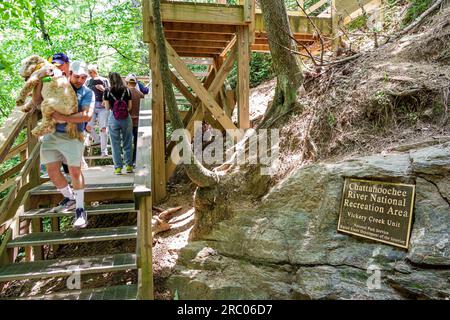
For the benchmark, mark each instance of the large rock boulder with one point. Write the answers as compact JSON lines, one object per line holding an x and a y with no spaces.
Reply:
{"x":288,"y":247}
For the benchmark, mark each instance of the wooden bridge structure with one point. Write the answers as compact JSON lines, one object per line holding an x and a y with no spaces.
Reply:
{"x":216,"y":35}
{"x":221,"y":35}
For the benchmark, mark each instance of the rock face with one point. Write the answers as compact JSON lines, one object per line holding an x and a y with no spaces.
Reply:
{"x":288,"y":247}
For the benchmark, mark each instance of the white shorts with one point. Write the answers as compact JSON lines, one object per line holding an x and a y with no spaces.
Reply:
{"x":58,"y":147}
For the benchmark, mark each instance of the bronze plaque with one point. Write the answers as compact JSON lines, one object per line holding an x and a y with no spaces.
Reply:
{"x":377,"y":210}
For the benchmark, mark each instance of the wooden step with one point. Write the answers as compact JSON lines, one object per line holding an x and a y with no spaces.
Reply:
{"x":98,"y":210}
{"x":74,"y":236}
{"x":123,"y":292}
{"x":66,"y":267}
{"x":48,"y":188}
{"x":98,"y":146}
{"x":100,"y":157}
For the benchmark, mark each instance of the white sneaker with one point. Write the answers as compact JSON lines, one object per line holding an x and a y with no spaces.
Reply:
{"x":80,"y":218}
{"x":105,"y":153}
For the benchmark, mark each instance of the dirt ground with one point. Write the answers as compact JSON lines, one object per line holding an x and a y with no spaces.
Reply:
{"x":168,"y":244}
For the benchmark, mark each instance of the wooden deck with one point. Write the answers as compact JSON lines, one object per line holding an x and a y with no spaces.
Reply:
{"x":101,"y":185}
{"x":207,"y":29}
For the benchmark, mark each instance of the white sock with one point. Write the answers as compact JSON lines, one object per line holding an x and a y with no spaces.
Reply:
{"x":67,"y":192}
{"x":79,"y":197}
{"x":103,"y":141}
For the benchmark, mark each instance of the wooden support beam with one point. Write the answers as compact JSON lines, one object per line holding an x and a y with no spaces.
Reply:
{"x":198,"y":61}
{"x":252,"y":24}
{"x":198,"y":50}
{"x":369,"y":7}
{"x":261,"y":37}
{"x":266,"y":47}
{"x":201,"y":92}
{"x":184,"y":91}
{"x":202,"y":13}
{"x":221,"y":75}
{"x":199,"y":28}
{"x":158,"y":124}
{"x":196,"y":55}
{"x":220,"y":37}
{"x":336,"y":21}
{"x":146,"y":20}
{"x":198,"y":43}
{"x":38,"y":252}
{"x":243,"y":85}
{"x":299,"y":24}
{"x":213,"y":89}
{"x":225,"y":51}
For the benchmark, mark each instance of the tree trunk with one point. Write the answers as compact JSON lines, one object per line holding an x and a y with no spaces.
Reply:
{"x":285,"y":62}
{"x":201,"y":176}
{"x":40,"y":23}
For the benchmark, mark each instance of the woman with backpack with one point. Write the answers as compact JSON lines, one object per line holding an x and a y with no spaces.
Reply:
{"x":118,"y":99}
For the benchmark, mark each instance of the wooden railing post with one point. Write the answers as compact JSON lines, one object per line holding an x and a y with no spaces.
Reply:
{"x":5,"y":257}
{"x":34,"y":177}
{"x":143,"y":199}
{"x":335,"y":26}
{"x":158,"y":122}
{"x":243,"y":85}
{"x":145,"y":282}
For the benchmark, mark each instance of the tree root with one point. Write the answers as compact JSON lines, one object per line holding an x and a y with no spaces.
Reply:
{"x":160,"y":221}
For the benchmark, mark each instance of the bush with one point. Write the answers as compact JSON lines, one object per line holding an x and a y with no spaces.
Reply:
{"x":260,"y":70}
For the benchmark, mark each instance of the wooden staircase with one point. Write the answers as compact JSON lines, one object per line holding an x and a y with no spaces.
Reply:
{"x":35,"y":268}
{"x":28,"y":204}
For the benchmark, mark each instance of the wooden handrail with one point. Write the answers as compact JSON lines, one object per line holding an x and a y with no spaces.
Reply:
{"x":6,"y":175}
{"x":10,"y":204}
{"x":4,"y":259}
{"x":316,"y":6}
{"x":14,"y":151}
{"x":10,"y":130}
{"x":143,"y":200}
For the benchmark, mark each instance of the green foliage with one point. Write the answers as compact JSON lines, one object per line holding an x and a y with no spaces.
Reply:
{"x":260,"y":70}
{"x":358,"y":23}
{"x":417,"y":8}
{"x":105,"y":32}
{"x":14,"y":9}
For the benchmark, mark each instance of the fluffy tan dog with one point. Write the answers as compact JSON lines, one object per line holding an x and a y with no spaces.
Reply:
{"x":58,"y":95}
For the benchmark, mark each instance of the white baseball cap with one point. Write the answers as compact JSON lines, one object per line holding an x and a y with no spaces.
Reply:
{"x":130,"y":77}
{"x":78,"y":68}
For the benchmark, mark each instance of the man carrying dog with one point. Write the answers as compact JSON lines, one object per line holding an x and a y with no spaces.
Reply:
{"x":58,"y":146}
